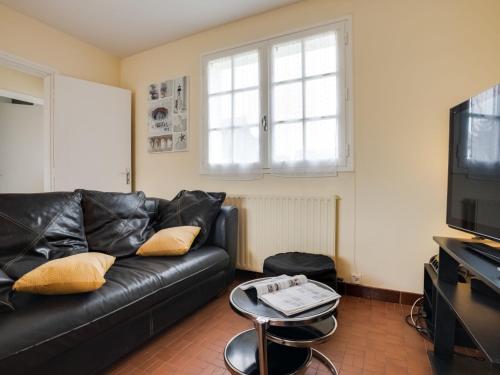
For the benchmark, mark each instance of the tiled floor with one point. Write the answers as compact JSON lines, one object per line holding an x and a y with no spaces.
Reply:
{"x":372,"y":338}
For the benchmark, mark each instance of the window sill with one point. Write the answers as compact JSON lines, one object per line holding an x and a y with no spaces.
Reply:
{"x":267,"y":172}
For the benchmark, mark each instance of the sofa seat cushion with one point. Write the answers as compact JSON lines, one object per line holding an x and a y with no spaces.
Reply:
{"x":44,"y":326}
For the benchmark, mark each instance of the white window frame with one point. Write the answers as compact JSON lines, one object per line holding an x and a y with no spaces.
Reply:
{"x":343,"y":26}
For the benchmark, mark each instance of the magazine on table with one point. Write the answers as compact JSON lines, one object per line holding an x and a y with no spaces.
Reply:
{"x":291,"y":295}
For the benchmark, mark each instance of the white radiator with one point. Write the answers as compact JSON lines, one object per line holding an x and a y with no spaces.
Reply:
{"x":272,"y":224}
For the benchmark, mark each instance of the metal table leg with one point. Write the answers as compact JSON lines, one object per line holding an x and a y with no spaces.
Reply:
{"x":261,"y":327}
{"x":325,"y":360}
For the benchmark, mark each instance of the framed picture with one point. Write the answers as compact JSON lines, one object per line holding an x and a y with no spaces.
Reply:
{"x":168,"y":121}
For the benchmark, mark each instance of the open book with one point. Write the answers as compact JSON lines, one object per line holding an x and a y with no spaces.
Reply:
{"x":291,"y":294}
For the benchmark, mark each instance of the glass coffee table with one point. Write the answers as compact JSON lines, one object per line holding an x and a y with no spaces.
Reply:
{"x":278,"y":345}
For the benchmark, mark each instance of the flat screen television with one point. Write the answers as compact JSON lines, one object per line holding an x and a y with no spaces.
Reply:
{"x":474,"y":165}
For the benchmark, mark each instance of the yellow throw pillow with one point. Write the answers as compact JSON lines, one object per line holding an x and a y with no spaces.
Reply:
{"x":78,"y":273}
{"x":170,"y":241}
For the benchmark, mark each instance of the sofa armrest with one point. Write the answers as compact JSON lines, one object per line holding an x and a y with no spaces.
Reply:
{"x":225,"y":235}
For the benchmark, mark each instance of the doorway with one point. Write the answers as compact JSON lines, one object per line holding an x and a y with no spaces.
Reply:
{"x":21,"y":139}
{"x":86,"y":134}
{"x":22,"y":80}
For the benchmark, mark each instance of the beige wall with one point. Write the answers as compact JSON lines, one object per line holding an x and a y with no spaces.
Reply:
{"x":13,"y":80}
{"x":30,"y":39}
{"x":413,"y":60}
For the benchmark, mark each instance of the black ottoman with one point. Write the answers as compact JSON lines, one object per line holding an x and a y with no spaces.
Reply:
{"x":316,"y":267}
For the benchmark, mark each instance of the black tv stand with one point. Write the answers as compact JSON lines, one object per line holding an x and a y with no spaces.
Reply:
{"x":485,"y":250}
{"x":478,"y":313}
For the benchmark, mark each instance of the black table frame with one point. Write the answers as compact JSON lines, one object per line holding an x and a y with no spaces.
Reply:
{"x":261,"y":324}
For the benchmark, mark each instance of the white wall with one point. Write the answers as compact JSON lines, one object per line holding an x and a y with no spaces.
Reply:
{"x":21,"y":148}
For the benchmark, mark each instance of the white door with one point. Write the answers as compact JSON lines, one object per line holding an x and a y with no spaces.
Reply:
{"x":21,"y":148}
{"x":91,"y":136}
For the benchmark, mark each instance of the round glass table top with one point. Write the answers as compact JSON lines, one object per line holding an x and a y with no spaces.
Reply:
{"x":247,"y":304}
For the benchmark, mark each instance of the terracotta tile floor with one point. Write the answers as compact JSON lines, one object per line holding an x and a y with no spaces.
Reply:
{"x":372,"y":338}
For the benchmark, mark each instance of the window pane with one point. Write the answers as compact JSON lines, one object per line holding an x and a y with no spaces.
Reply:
{"x":287,"y":142}
{"x":321,"y":140}
{"x":246,"y":70}
{"x":246,"y":145}
{"x":320,"y":54}
{"x":321,"y":97}
{"x":304,"y":100}
{"x":219,"y":109}
{"x":287,"y":101}
{"x":246,"y":108}
{"x":287,"y":61}
{"x":219,"y":147}
{"x":219,"y":75}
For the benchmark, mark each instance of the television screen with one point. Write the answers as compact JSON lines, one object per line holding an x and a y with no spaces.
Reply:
{"x":474,"y":165}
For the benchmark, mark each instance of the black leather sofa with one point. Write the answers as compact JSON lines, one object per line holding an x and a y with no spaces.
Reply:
{"x":85,"y":333}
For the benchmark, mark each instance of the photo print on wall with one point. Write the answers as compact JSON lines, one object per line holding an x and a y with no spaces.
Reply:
{"x":168,"y":121}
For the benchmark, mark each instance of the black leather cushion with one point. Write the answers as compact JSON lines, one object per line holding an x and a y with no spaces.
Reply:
{"x":5,"y":289}
{"x":133,"y":285}
{"x":196,"y":208}
{"x":115,"y":223}
{"x":35,"y":228}
{"x":152,"y":209}
{"x":315,"y":266}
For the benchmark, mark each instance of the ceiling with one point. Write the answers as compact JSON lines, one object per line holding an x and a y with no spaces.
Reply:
{"x":125,"y":27}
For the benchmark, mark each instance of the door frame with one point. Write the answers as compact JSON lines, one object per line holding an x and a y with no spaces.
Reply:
{"x":47,"y":73}
{"x":20,"y":96}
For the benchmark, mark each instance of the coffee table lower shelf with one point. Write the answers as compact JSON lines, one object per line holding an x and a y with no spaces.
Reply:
{"x":241,"y":356}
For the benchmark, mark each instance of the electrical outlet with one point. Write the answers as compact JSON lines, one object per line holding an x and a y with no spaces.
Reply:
{"x":356,"y":278}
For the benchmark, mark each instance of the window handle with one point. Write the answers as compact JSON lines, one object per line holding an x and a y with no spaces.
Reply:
{"x":263,"y":122}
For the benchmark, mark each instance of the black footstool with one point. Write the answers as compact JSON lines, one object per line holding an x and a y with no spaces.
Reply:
{"x":315,"y":266}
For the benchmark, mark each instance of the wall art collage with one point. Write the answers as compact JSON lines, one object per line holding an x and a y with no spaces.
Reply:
{"x":168,"y":123}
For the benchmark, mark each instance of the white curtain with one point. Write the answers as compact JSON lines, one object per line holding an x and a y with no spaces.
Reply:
{"x":304,"y":116}
{"x":233,"y":134}
{"x":304,"y":111}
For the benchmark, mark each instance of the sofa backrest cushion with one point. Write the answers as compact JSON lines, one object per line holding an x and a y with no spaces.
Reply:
{"x":152,"y":209}
{"x":5,"y":290}
{"x":35,"y":228}
{"x":194,"y":208}
{"x":115,"y":223}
